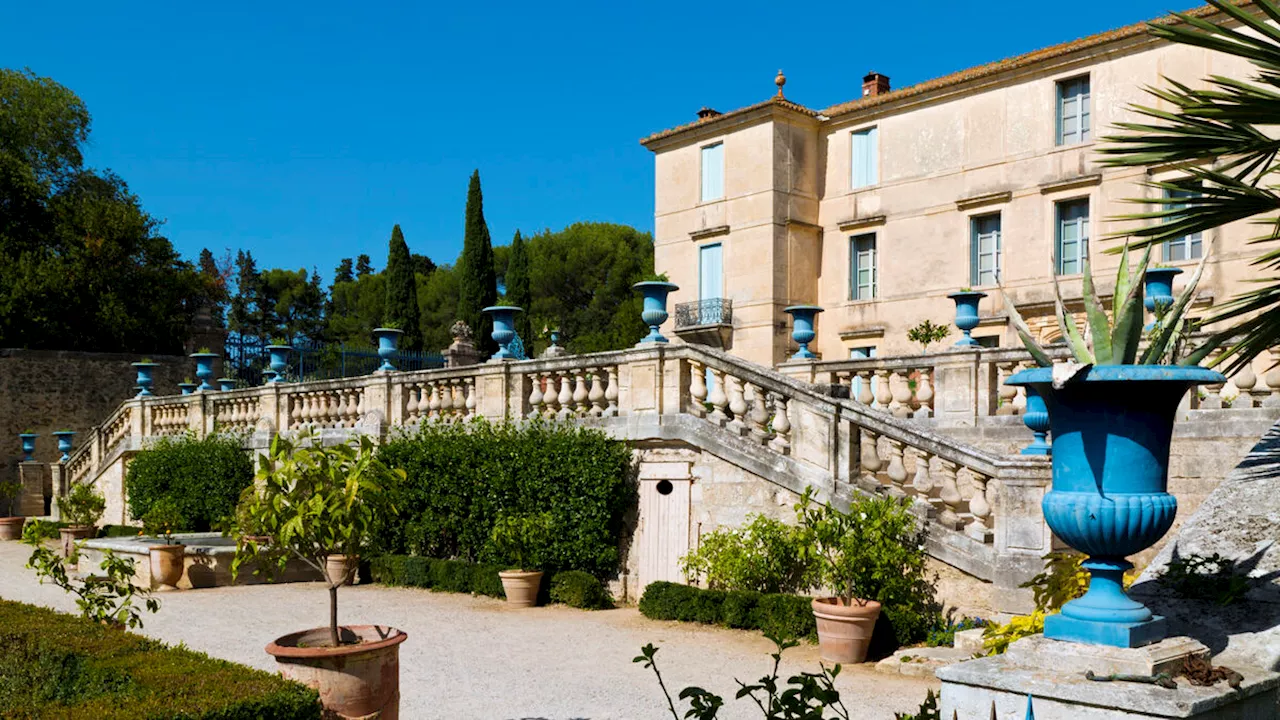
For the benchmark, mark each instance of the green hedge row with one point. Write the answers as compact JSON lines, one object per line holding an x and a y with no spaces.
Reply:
{"x":788,"y":616}
{"x":571,"y":587}
{"x":55,"y":665}
{"x":204,"y":478}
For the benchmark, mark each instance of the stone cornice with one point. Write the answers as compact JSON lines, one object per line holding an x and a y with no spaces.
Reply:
{"x":860,"y":222}
{"x":704,"y":233}
{"x":993,"y":198}
{"x":1071,"y":183}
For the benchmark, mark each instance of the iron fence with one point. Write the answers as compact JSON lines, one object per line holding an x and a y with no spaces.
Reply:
{"x":713,"y":311}
{"x":247,"y":358}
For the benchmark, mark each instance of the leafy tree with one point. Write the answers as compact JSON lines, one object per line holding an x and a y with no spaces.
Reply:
{"x":519,"y":292}
{"x":438,"y":302}
{"x":402,"y":292}
{"x":292,"y":304}
{"x":355,"y":308}
{"x":477,"y":281}
{"x":215,"y":277}
{"x":928,"y":333}
{"x":364,"y":266}
{"x":43,"y":126}
{"x":422,"y":265}
{"x":343,"y":273}
{"x":246,"y":316}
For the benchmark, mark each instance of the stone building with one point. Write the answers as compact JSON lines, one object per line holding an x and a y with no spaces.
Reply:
{"x":877,"y":208}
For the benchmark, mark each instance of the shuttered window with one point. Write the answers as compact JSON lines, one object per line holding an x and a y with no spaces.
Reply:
{"x":866,"y":158}
{"x":862,"y":267}
{"x":1187,"y":247}
{"x":1073,"y":111}
{"x":984,"y":250}
{"x":710,"y":272}
{"x":1072,"y":244}
{"x":713,"y":172}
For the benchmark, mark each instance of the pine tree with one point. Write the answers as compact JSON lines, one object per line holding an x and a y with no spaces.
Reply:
{"x":478,"y":283}
{"x":402,"y":292}
{"x":518,"y":288}
{"x":246,"y":310}
{"x":364,"y":266}
{"x":343,"y":272}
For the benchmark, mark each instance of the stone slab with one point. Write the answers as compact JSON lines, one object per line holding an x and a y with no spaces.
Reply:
{"x":921,"y":661}
{"x":969,"y":641}
{"x":1069,"y":657}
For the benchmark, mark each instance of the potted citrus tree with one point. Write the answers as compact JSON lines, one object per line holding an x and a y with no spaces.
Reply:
{"x":166,"y":559}
{"x":315,"y":503}
{"x":11,"y":523}
{"x":81,"y":509}
{"x":517,"y":540}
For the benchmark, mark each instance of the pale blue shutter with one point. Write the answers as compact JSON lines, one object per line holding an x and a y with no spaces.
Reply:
{"x":713,"y":172}
{"x":864,"y":159}
{"x":711,"y":272}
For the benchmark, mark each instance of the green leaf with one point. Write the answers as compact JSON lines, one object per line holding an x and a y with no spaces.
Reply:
{"x":1159,"y":346}
{"x":1024,"y":333}
{"x":1067,"y":325}
{"x":1123,"y":281}
{"x":1099,"y":324}
{"x":1128,"y":326}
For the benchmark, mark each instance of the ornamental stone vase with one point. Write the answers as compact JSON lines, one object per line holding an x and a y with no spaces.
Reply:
{"x":64,"y":443}
{"x":967,"y":315}
{"x":388,"y":345}
{"x":188,"y":387}
{"x":279,"y":361}
{"x":28,"y":445}
{"x":1111,"y":431}
{"x":145,"y":380}
{"x":655,"y":307}
{"x":802,"y":319}
{"x":226,"y":384}
{"x":204,"y":369}
{"x":1157,"y":288}
{"x":1036,"y":418}
{"x":504,"y":329}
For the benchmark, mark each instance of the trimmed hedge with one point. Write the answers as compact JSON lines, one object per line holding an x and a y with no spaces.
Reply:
{"x":574,"y":588}
{"x":788,"y":616}
{"x":204,"y":477}
{"x":462,"y":477}
{"x":55,"y":665}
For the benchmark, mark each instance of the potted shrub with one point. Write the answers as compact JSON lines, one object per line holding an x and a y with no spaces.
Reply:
{"x":517,"y":540}
{"x":316,"y":502}
{"x":81,"y":509}
{"x":1111,"y":414}
{"x":166,"y":559}
{"x":10,"y":524}
{"x":242,"y":523}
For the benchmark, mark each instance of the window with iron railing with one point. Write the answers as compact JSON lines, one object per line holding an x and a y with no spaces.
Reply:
{"x":712,"y":311}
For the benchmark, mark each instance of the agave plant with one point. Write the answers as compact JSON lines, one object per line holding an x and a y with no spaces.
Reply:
{"x":1117,"y":339}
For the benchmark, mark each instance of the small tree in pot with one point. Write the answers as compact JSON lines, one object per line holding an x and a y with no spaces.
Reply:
{"x":81,"y":509}
{"x":316,"y":503}
{"x":518,"y":540}
{"x":166,"y":559}
{"x":10,"y":524}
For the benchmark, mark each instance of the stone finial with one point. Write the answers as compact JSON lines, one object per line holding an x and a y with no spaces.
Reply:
{"x":460,"y":331}
{"x":780,"y":80}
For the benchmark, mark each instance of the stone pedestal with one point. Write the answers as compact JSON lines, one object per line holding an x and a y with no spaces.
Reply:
{"x":33,"y":476}
{"x":1052,"y":674}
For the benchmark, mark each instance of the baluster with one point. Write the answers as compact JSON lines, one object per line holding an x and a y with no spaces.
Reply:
{"x":611,"y":392}
{"x":979,"y":508}
{"x":325,"y":408}
{"x":1213,"y":397}
{"x":566,"y":396}
{"x":341,"y":412}
{"x":433,"y":400}
{"x":580,"y":393}
{"x":535,"y":396}
{"x":869,"y":460}
{"x":596,"y":396}
{"x":922,"y":485}
{"x":781,"y":424}
{"x":759,"y":415}
{"x":900,"y":390}
{"x":357,"y":406}
{"x":1245,"y":380}
{"x":470,"y":387}
{"x":883,"y":396}
{"x":550,"y":395}
{"x":949,"y":493}
{"x":897,"y":471}
{"x":865,"y":397}
{"x":924,"y":395}
{"x":446,"y":400}
{"x":459,"y":398}
{"x":737,"y":406}
{"x":1273,"y":381}
{"x":410,"y":402}
{"x":1007,"y":394}
{"x":718,"y":399}
{"x":697,"y":388}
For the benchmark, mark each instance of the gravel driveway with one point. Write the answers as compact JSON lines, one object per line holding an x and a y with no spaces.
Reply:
{"x":472,"y":657}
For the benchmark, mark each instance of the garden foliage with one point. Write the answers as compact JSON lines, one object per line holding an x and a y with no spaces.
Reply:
{"x":766,"y":555}
{"x":571,"y":587}
{"x":203,"y":476}
{"x":460,"y":479}
{"x":55,"y":665}
{"x":781,"y":615}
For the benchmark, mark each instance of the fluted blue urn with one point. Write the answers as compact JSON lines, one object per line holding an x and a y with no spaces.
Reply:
{"x":967,"y":315}
{"x":802,"y":317}
{"x":144,"y":380}
{"x":186,"y":388}
{"x":1111,"y":432}
{"x":654,"y":312}
{"x":204,"y":369}
{"x":279,"y":361}
{"x":1157,"y":290}
{"x":1036,"y":418}
{"x":388,"y":345}
{"x":28,"y":445}
{"x":504,"y":329}
{"x":64,"y":443}
{"x":226,"y":384}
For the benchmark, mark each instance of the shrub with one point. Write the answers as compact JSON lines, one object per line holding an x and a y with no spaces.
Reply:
{"x":204,"y":477}
{"x":105,"y":597}
{"x":786,"y":616}
{"x":766,"y":555}
{"x":54,"y":665}
{"x":518,"y":541}
{"x":451,"y":575}
{"x":82,"y":506}
{"x":576,"y":588}
{"x":777,"y":615}
{"x":462,"y":477}
{"x":738,"y":605}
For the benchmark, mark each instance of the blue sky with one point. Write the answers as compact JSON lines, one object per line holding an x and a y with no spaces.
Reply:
{"x":304,"y":131}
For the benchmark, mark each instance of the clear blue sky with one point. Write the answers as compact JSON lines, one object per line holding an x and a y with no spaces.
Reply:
{"x":304,"y":131}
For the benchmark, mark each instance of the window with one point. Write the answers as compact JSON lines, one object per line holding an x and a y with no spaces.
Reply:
{"x":1187,"y":247}
{"x":710,"y":272}
{"x":1073,"y":111}
{"x":861,"y":353}
{"x":984,"y":250}
{"x":865,"y":160}
{"x":1073,"y":236}
{"x":862,"y":267}
{"x":713,"y":172}
{"x":988,"y":341}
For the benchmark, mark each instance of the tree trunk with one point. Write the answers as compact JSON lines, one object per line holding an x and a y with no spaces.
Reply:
{"x":333,"y":614}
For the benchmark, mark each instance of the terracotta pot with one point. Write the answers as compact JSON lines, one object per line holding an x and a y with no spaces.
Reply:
{"x":166,"y":565}
{"x":11,"y":528}
{"x":521,"y":586}
{"x":71,"y":534}
{"x":844,"y":631}
{"x":341,"y":567}
{"x":354,"y":681}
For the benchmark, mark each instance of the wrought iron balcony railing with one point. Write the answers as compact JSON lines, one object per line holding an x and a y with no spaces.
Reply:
{"x":713,"y":311}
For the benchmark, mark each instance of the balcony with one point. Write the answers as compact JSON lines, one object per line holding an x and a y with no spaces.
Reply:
{"x":706,"y":322}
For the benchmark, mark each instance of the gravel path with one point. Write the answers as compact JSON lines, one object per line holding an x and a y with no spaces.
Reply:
{"x":475,"y":658}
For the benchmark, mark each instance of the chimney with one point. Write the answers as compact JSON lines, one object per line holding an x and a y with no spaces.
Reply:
{"x":875,"y":84}
{"x":707,"y":112}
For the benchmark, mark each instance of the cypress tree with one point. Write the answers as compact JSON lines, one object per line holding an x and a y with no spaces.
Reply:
{"x":402,"y":292}
{"x":478,"y":283}
{"x":518,"y":288}
{"x":343,"y":272}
